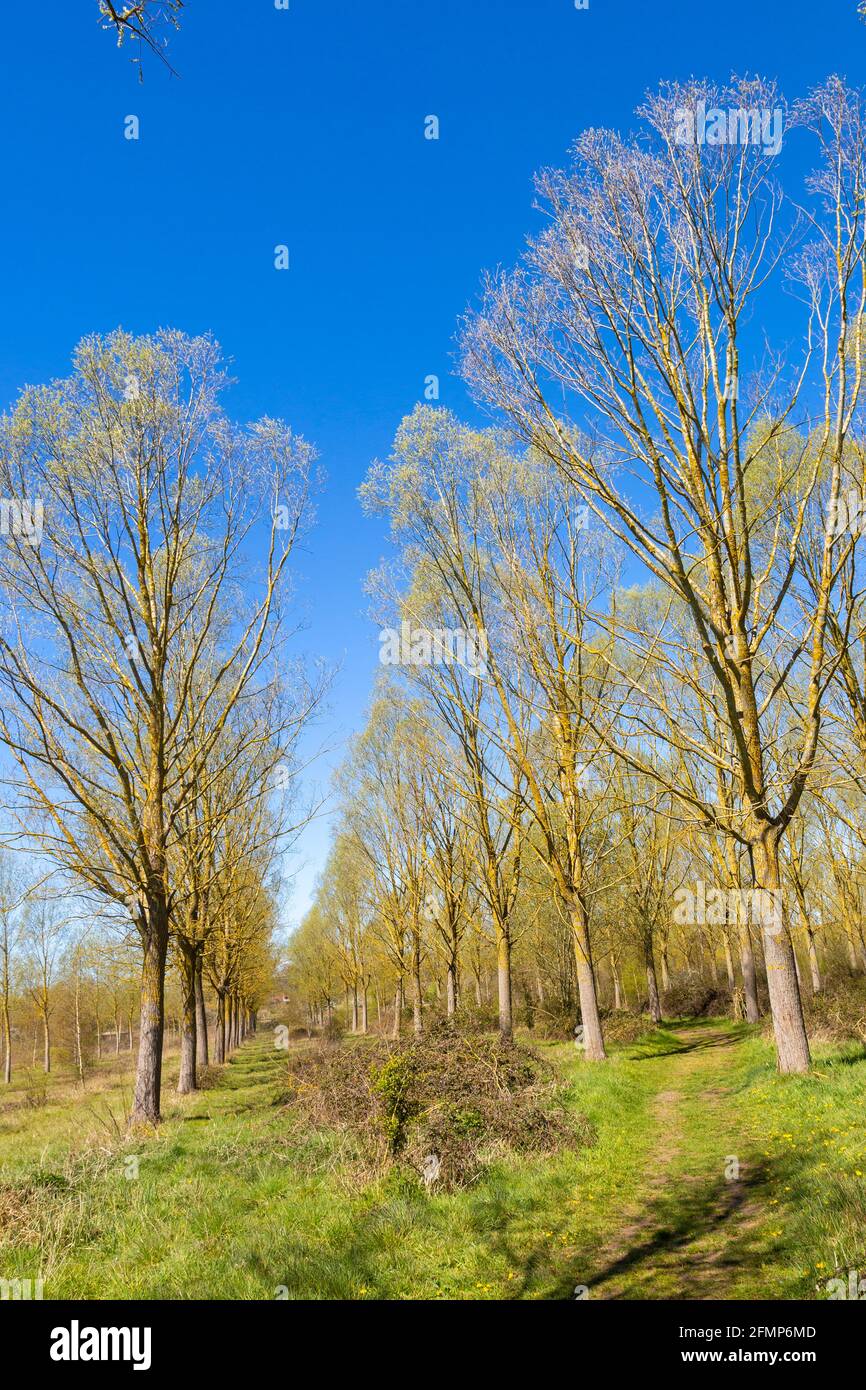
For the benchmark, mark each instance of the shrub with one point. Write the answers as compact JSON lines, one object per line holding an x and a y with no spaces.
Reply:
{"x":619,"y":1026}
{"x":838,"y":1013}
{"x":694,"y":998}
{"x":555,"y":1023}
{"x":393,"y":1082}
{"x":333,"y":1030}
{"x":445,"y":1104}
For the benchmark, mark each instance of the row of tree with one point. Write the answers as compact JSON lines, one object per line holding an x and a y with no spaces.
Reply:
{"x":68,"y":982}
{"x":654,"y":548}
{"x":150,"y":704}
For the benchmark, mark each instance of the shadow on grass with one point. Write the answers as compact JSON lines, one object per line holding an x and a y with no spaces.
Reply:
{"x":660,"y":1248}
{"x":666,"y":1042}
{"x":851,"y":1058}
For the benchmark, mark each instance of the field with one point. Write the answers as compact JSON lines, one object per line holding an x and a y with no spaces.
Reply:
{"x":711,"y":1177}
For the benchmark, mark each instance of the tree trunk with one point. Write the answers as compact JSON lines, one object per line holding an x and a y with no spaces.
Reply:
{"x":46,"y":1053}
{"x":593,"y":1041}
{"x":655,"y":1007}
{"x":7,"y":1044}
{"x":186,"y":1080}
{"x":398,"y":1009}
{"x":451,"y":988}
{"x":201,"y":1043}
{"x":714,"y":967}
{"x":220,"y":1033}
{"x":814,"y":967}
{"x":79,"y":1054}
{"x":729,"y":963}
{"x":666,"y":979}
{"x":148,"y":1078}
{"x":750,"y":975}
{"x":503,"y":977}
{"x":792,"y":1044}
{"x":617,"y":988}
{"x":417,"y":997}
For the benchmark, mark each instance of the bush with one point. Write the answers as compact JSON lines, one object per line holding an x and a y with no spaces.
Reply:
{"x":555,"y":1023}
{"x":620,"y":1026}
{"x":693,"y":998}
{"x":445,"y":1104}
{"x":838,"y":1013}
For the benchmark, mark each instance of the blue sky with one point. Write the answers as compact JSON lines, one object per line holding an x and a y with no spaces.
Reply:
{"x":306,"y":127}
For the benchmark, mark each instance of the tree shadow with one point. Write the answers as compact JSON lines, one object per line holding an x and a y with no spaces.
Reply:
{"x":684,"y":1213}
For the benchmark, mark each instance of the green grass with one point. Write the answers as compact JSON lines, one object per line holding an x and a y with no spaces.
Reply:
{"x":233,"y":1198}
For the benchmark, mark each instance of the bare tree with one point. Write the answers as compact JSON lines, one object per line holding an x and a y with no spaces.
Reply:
{"x":631,"y":308}
{"x":160,"y":517}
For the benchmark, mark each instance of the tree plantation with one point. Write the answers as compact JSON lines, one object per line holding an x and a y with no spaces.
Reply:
{"x":439,"y":874}
{"x":150,"y":699}
{"x":669,"y":699}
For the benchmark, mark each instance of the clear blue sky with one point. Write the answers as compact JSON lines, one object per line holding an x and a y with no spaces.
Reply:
{"x":306,"y":128}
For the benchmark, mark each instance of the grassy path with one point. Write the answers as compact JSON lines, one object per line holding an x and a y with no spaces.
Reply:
{"x":711,"y":1177}
{"x":750,"y":1184}
{"x":694,"y":1229}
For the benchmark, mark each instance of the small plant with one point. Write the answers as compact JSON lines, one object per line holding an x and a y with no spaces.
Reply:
{"x":393,"y":1082}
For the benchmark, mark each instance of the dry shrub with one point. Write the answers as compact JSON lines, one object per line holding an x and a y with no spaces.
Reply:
{"x":838,"y":1013}
{"x":554,"y":1023}
{"x":475,"y":1018}
{"x":208,"y":1077}
{"x":620,"y":1026}
{"x":445,"y":1104}
{"x":696,"y":999}
{"x":19,"y":1208}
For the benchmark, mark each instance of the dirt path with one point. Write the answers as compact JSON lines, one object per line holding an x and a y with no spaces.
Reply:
{"x":690,"y":1222}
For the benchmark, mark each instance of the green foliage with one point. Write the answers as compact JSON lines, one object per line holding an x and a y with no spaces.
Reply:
{"x":393,"y":1082}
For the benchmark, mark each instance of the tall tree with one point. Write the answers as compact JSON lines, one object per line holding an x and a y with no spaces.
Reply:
{"x":620,"y":349}
{"x":160,"y":517}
